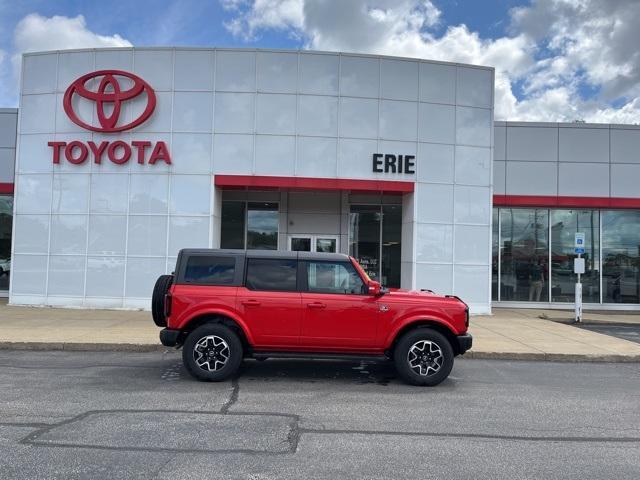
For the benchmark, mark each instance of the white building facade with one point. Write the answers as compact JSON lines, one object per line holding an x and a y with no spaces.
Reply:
{"x":125,"y":156}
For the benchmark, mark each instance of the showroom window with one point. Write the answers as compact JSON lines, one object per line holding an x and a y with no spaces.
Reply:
{"x":564,"y":225}
{"x":375,"y":233}
{"x":533,"y":254}
{"x":621,"y":256}
{"x":524,"y":254}
{"x":250,"y":225}
{"x":6,"y":217}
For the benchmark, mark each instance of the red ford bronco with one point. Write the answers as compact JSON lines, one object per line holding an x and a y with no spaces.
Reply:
{"x":224,"y":305}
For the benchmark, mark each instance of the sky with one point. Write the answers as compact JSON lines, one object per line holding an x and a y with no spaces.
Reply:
{"x":555,"y":60}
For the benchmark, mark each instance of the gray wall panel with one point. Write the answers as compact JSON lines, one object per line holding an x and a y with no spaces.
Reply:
{"x":583,"y":179}
{"x":625,"y":146}
{"x":584,"y":145}
{"x":531,"y":178}
{"x":532,"y":143}
{"x":625,"y":181}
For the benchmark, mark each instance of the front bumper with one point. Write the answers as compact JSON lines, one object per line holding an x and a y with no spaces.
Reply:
{"x":464,"y":342}
{"x":169,"y":338}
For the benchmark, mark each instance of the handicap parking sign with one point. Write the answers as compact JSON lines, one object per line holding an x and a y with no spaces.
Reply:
{"x":579,"y":243}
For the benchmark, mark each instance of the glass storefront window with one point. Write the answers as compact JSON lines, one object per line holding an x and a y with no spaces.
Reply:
{"x":375,"y":233}
{"x":232,"y":225}
{"x":391,"y":244}
{"x":6,"y":216}
{"x":494,"y":255}
{"x":621,"y":256}
{"x":257,"y":222}
{"x":534,"y":248}
{"x":364,"y":237}
{"x":262,"y":226}
{"x":564,"y":225}
{"x":524,"y":253}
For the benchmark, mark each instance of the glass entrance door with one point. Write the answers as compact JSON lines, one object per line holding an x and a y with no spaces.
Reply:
{"x":313,"y":243}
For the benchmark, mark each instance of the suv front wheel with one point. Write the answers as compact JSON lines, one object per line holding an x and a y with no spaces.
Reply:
{"x":423,"y":357}
{"x":212,"y":352}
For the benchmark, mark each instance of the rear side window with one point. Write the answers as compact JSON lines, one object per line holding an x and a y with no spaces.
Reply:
{"x":210,"y":270}
{"x":271,"y":274}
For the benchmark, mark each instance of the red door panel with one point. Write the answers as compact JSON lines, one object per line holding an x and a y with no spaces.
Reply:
{"x":335,"y":320}
{"x":273,"y":317}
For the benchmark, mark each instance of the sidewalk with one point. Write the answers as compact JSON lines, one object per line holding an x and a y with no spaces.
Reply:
{"x":507,"y":334}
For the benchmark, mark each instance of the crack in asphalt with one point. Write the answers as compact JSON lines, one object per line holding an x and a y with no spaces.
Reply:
{"x":233,"y":398}
{"x":293,"y":437}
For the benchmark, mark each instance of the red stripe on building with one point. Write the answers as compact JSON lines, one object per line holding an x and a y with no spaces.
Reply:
{"x":6,"y":188}
{"x":554,"y":201}
{"x":304,"y":183}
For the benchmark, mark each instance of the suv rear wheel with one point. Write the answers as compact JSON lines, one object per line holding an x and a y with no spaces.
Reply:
{"x":212,"y":352}
{"x":423,"y":357}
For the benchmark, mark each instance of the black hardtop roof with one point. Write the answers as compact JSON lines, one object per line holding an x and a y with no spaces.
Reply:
{"x":266,"y":254}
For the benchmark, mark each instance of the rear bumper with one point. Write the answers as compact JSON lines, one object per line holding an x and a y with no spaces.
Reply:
{"x":464,"y":342}
{"x":169,"y":338}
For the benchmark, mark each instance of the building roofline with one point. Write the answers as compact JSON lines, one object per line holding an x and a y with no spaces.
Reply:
{"x":272,"y":50}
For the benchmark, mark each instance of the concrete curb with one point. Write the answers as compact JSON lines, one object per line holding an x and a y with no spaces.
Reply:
{"x":83,"y":347}
{"x":554,"y":357}
{"x":133,"y":347}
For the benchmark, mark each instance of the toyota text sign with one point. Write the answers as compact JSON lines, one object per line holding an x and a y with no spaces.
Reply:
{"x":111,"y":93}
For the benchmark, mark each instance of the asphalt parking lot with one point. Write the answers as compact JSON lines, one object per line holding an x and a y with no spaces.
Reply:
{"x":625,"y":331}
{"x":139,"y":415}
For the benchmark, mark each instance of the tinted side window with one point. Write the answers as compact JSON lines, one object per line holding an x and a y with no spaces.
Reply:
{"x":208,"y":270}
{"x":328,"y":277}
{"x":271,"y":274}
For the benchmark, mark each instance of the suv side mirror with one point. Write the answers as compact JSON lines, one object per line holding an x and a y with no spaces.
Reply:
{"x":375,"y":288}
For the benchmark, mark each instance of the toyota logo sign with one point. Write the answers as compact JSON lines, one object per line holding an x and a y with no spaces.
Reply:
{"x":109,"y":93}
{"x":109,"y":98}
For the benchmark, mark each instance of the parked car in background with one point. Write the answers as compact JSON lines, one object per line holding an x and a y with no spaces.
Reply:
{"x":5,"y":266}
{"x":221,"y":306}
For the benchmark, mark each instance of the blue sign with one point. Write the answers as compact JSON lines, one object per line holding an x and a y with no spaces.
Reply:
{"x":579,"y":243}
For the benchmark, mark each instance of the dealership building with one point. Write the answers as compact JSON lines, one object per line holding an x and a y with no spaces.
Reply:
{"x":118,"y":158}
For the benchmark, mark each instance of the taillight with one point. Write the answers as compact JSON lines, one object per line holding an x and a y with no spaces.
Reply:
{"x":466,"y":317}
{"x":167,"y":305}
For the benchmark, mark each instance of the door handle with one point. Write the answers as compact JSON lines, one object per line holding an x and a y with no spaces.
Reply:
{"x":316,"y":305}
{"x":251,"y":303}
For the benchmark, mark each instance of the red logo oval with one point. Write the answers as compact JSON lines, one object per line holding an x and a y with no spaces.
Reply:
{"x":109,"y":93}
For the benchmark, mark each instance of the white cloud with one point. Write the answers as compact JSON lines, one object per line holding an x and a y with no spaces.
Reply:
{"x":36,"y":32}
{"x":556,"y":49}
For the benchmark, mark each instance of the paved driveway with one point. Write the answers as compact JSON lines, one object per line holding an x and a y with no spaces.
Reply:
{"x":138,"y":415}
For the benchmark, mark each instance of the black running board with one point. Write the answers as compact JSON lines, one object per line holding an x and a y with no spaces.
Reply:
{"x":319,"y":356}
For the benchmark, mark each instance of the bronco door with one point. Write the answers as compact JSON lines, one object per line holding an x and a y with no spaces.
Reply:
{"x":270,"y":303}
{"x":337,"y":311}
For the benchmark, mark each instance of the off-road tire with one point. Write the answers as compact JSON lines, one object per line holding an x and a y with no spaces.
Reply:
{"x":160,"y":289}
{"x":215,"y":331}
{"x":412,"y":338}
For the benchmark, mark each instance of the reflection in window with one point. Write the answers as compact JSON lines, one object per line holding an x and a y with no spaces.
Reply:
{"x":255,"y":221}
{"x":564,"y":225}
{"x":494,"y":255}
{"x":262,"y":226}
{"x":364,"y":237}
{"x":232,"y":225}
{"x":271,"y":274}
{"x":208,"y":270}
{"x":375,"y":240}
{"x":621,"y":256}
{"x":326,"y":277}
{"x":524,"y":254}
{"x":6,"y":216}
